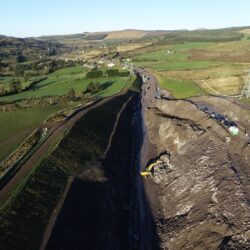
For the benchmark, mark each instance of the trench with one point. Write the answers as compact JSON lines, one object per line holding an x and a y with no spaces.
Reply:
{"x":110,"y":210}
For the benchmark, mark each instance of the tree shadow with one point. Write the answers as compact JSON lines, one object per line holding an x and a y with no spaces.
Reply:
{"x":107,"y":84}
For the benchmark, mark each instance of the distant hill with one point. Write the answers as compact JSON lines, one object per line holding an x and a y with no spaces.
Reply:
{"x":134,"y":34}
{"x":100,"y":36}
{"x":126,"y":34}
{"x":12,"y":48}
{"x":131,"y":34}
{"x":245,"y":31}
{"x":61,"y":37}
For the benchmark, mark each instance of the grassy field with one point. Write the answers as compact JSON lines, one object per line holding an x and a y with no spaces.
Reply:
{"x":24,"y":218}
{"x":223,"y":66}
{"x":131,"y":46}
{"x":180,"y":89}
{"x":61,"y":81}
{"x":175,"y":57}
{"x":5,"y":81}
{"x":15,"y":126}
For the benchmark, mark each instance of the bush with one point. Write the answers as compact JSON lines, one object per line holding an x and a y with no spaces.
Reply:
{"x":112,"y":72}
{"x":21,"y":58}
{"x":94,"y":74}
{"x":2,"y":91}
{"x":94,"y":87}
{"x":15,"y":86}
{"x":124,"y":74}
{"x":71,"y":94}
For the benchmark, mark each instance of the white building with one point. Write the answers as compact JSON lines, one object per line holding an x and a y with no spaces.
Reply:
{"x":111,"y":65}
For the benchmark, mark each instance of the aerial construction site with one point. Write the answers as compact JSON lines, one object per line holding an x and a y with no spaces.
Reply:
{"x":135,"y":139}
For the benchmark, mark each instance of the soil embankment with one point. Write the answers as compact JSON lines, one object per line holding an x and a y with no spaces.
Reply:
{"x":104,"y":204}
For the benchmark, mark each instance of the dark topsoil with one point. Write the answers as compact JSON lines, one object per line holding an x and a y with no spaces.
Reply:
{"x":102,"y":209}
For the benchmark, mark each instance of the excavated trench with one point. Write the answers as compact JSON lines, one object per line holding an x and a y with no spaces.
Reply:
{"x":106,"y":207}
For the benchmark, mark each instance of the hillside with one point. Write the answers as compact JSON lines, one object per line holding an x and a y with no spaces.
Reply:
{"x":27,"y":48}
{"x":126,"y":34}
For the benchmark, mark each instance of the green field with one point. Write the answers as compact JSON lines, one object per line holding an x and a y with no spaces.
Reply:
{"x":5,"y":81}
{"x":61,"y":81}
{"x":174,"y":57}
{"x":24,"y":218}
{"x":181,"y":89}
{"x":16,"y":125}
{"x":182,"y":67}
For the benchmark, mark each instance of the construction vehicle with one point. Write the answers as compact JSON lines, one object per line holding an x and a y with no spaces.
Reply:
{"x":148,"y":169}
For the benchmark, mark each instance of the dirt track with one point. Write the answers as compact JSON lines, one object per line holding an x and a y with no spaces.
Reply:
{"x":55,"y":133}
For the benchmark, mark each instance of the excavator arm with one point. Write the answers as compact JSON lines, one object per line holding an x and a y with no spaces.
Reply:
{"x":148,"y":169}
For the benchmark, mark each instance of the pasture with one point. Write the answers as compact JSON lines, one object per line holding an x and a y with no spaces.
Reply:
{"x":178,"y":88}
{"x":61,"y":81}
{"x":16,"y":125}
{"x":215,"y":67}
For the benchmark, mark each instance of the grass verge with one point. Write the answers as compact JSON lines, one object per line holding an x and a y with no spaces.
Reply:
{"x":180,"y":89}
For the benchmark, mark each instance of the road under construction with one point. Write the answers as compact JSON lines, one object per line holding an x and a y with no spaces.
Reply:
{"x":178,"y":146}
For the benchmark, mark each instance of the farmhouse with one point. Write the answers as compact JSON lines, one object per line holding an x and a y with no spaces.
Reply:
{"x":111,"y":65}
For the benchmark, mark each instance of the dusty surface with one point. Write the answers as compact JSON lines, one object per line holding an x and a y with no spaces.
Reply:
{"x":200,"y":194}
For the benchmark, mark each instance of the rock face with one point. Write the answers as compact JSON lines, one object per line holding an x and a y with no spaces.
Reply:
{"x":202,"y":186}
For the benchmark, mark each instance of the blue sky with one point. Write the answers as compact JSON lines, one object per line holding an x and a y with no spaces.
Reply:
{"x":45,"y":17}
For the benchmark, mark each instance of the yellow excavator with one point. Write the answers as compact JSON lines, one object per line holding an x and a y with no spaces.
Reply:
{"x":148,"y":170}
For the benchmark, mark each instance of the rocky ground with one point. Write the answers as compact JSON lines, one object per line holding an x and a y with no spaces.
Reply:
{"x":200,"y":193}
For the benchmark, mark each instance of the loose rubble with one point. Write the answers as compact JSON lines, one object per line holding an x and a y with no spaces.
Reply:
{"x":202,"y":183}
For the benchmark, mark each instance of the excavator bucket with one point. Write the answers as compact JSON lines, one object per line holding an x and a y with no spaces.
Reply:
{"x":148,"y":170}
{"x":151,"y":166}
{"x":145,"y":173}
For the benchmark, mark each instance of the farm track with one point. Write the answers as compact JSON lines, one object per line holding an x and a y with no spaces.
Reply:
{"x":55,"y":133}
{"x":56,"y":212}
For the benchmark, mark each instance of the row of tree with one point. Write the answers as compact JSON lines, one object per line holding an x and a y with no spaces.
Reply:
{"x":15,"y":86}
{"x":92,"y":88}
{"x":108,"y":73}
